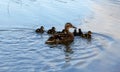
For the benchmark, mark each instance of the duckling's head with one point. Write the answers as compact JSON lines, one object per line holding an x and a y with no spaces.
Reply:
{"x":42,"y":27}
{"x":89,"y":32}
{"x":69,"y":25}
{"x":53,"y":28}
{"x":79,"y":29}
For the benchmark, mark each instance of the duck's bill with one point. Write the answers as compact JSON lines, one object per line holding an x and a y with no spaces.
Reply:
{"x":74,"y":27}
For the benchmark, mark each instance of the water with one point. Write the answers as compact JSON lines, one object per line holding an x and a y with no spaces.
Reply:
{"x":23,"y":50}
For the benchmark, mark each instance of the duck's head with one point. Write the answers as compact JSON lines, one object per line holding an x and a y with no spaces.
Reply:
{"x":89,"y":32}
{"x":69,"y":25}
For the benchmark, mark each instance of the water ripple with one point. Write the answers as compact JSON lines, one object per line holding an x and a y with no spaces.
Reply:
{"x":25,"y":50}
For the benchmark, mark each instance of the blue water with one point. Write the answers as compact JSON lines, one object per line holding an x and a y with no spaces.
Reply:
{"x":23,"y":50}
{"x":32,"y":14}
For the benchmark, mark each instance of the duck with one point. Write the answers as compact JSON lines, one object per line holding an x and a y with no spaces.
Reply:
{"x":87,"y":35}
{"x":40,"y":30}
{"x":52,"y":30}
{"x":65,"y":37}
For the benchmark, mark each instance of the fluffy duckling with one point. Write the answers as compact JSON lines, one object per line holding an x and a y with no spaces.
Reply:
{"x":62,"y":38}
{"x":51,"y":31}
{"x":75,"y":32}
{"x":87,"y":35}
{"x":79,"y":33}
{"x":40,"y":30}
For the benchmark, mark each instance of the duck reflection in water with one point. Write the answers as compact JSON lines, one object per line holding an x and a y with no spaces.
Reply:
{"x":68,"y":51}
{"x":68,"y":48}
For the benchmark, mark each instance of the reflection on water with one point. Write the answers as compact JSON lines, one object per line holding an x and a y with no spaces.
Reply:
{"x":23,"y":49}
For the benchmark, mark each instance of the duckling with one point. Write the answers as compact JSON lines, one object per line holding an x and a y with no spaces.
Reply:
{"x":40,"y":30}
{"x":87,"y":35}
{"x":75,"y":32}
{"x":62,"y":38}
{"x":80,"y":33}
{"x":51,"y":31}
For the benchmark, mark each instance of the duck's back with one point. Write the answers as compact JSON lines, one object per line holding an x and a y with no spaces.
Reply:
{"x":61,"y":38}
{"x":66,"y":36}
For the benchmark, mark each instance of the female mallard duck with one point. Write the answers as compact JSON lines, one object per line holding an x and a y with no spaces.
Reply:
{"x":51,"y":31}
{"x":62,"y":38}
{"x":40,"y":30}
{"x":87,"y":35}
